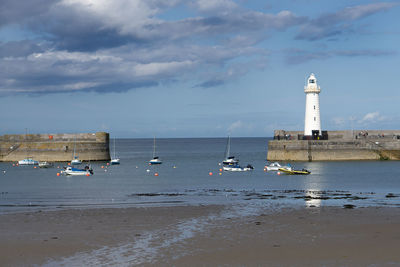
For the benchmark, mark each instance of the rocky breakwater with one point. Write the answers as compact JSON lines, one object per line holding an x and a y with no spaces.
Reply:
{"x":55,"y":147}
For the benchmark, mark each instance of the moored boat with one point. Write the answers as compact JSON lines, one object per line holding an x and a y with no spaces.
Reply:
{"x":114,"y":160}
{"x":230,"y":163}
{"x":45,"y":164}
{"x":237,"y":168}
{"x":87,"y":171}
{"x":75,"y":159}
{"x":28,"y":161}
{"x":274,"y":166}
{"x":289,"y":170}
{"x":155,"y":160}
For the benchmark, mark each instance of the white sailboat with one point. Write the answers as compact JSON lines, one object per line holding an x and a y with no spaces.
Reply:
{"x":155,"y":160}
{"x":228,"y":158}
{"x":28,"y":160}
{"x":232,"y":164}
{"x":75,"y":159}
{"x":114,"y":159}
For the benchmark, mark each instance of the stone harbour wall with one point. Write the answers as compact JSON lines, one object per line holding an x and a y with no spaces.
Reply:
{"x":374,"y":146}
{"x":55,"y":147}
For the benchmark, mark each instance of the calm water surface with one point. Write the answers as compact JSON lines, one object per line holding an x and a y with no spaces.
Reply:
{"x":184,"y":178}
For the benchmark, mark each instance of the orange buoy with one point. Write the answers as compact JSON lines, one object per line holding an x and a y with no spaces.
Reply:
{"x":34,"y":167}
{"x":220,"y":170}
{"x":210,"y":173}
{"x":69,"y":163}
{"x":87,"y":174}
{"x":279,"y":173}
{"x":102,"y":167}
{"x":58,"y":174}
{"x":156,"y":174}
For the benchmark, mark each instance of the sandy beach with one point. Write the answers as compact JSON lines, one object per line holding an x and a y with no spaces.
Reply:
{"x":202,"y":236}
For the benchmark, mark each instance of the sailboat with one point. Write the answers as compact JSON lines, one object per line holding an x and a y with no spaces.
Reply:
{"x":75,"y":160}
{"x":228,"y":158}
{"x":28,"y":160}
{"x":114,"y":159}
{"x":155,"y":159}
{"x":232,"y":164}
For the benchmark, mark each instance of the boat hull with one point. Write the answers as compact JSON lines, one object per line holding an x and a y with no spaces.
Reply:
{"x":115,"y":162}
{"x":236,"y":169}
{"x":28,"y":162}
{"x":294,"y":172}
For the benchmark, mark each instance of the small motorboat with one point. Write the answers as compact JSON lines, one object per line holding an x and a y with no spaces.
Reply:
{"x":236,"y":168}
{"x":274,"y":166}
{"x":28,"y":161}
{"x":289,"y":170}
{"x":45,"y":164}
{"x":87,"y":171}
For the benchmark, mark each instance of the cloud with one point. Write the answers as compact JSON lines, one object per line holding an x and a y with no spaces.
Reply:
{"x":340,"y":22}
{"x":372,"y":117}
{"x":298,"y":56}
{"x":235,"y":126}
{"x":12,"y":12}
{"x":115,"y":46}
{"x":86,"y":45}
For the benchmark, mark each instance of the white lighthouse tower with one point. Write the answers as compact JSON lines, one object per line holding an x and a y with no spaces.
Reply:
{"x":312,"y":120}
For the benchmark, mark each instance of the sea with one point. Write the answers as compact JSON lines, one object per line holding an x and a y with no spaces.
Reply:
{"x":191,"y":175}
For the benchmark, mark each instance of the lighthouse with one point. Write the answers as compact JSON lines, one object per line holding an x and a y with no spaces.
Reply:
{"x":312,"y":121}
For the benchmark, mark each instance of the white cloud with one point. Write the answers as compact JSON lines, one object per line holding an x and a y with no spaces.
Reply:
{"x":371,"y":117}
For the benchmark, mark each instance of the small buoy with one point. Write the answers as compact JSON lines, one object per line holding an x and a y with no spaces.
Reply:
{"x":58,"y":174}
{"x":279,"y":173}
{"x":220,"y":173}
{"x":69,"y":163}
{"x":87,"y":174}
{"x":108,"y":163}
{"x":147,"y":170}
{"x":210,"y":173}
{"x":220,"y":170}
{"x":102,"y":167}
{"x":137,"y":167}
{"x":156,"y":174}
{"x":4,"y":172}
{"x":17,"y":164}
{"x":174,"y":167}
{"x":34,"y":167}
{"x":13,"y":164}
{"x":58,"y":167}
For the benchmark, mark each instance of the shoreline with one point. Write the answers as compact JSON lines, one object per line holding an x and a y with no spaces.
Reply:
{"x":202,"y":235}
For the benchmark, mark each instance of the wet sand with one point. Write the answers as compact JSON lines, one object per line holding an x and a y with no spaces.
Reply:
{"x":202,"y":236}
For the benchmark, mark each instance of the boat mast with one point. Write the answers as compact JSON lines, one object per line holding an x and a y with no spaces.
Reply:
{"x":228,"y":147}
{"x":74,"y":146}
{"x":154,"y":147}
{"x":114,"y":147}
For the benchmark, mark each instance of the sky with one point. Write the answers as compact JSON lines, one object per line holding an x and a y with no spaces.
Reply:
{"x":196,"y":68}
